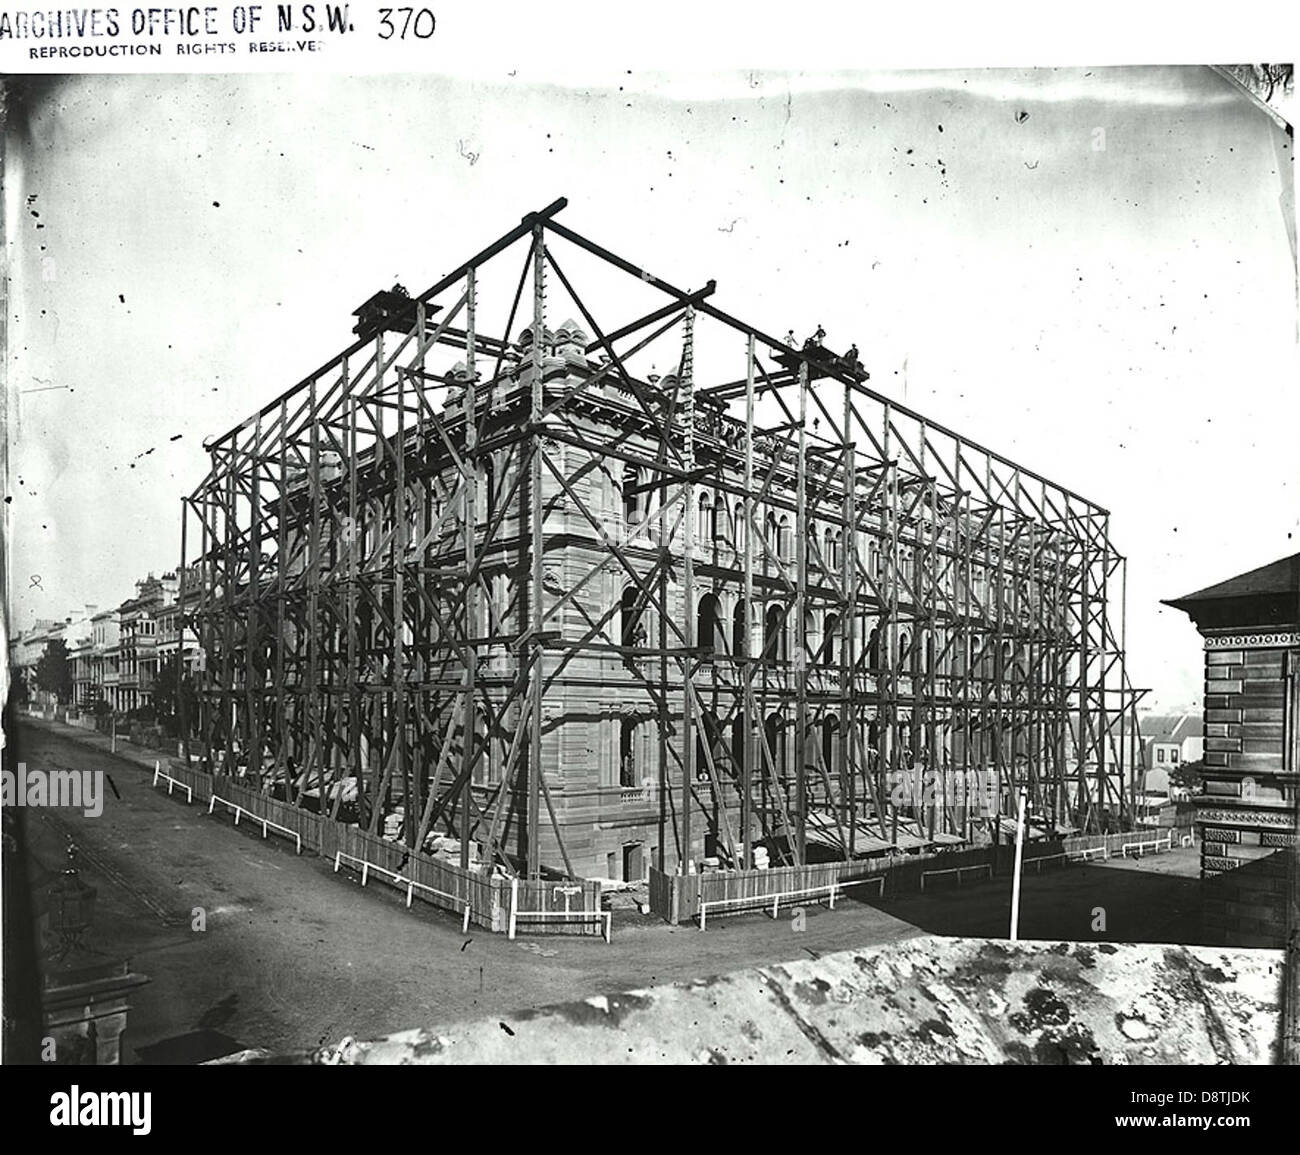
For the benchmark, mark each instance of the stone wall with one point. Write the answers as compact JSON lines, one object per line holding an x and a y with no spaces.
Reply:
{"x":1246,"y":815}
{"x":1247,"y":906}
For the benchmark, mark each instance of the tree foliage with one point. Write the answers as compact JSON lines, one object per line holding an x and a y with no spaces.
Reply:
{"x":1187,"y":775}
{"x":171,"y":686}
{"x":54,"y":671}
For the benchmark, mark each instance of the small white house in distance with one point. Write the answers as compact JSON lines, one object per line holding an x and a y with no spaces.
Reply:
{"x":1168,"y":741}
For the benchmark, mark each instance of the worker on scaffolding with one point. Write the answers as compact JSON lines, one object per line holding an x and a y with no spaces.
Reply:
{"x":814,"y":343}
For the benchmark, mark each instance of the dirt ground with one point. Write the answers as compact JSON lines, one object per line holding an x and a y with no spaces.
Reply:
{"x":294,"y":956}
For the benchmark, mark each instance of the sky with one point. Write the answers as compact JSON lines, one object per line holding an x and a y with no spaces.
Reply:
{"x":1089,"y":270}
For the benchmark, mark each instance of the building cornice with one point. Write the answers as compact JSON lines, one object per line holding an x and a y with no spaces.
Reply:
{"x":1251,"y":639}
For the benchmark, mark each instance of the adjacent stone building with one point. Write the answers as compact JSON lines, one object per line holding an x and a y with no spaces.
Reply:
{"x":1246,"y":816}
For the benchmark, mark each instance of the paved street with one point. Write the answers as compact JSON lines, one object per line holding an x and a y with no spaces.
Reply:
{"x":294,"y":956}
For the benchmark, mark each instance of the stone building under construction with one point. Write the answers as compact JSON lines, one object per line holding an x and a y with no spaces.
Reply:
{"x":531,"y":599}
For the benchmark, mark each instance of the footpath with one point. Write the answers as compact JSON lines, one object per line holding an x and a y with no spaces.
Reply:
{"x":143,"y":756}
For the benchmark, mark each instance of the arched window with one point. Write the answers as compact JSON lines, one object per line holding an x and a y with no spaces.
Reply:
{"x":873,"y":648}
{"x":739,"y":736}
{"x":708,"y":737}
{"x":774,"y":733}
{"x":987,"y":659}
{"x":873,"y":559}
{"x":830,"y":743}
{"x":627,"y":752}
{"x":740,"y":629}
{"x":720,"y":519}
{"x":704,"y":523}
{"x":783,"y":550}
{"x":496,"y":604}
{"x":632,"y":629}
{"x":874,"y":752}
{"x":742,"y":529}
{"x":830,"y":633}
{"x":633,"y":498}
{"x":486,"y":497}
{"x":1007,"y":670}
{"x":771,"y":538}
{"x":480,"y":747}
{"x":828,"y":550}
{"x":902,"y":660}
{"x":708,"y":626}
{"x":774,"y":634}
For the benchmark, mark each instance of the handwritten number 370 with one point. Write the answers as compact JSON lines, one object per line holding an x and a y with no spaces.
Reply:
{"x":419,"y":23}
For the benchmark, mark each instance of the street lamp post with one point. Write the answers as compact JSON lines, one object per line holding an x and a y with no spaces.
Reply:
{"x":1015,"y":881}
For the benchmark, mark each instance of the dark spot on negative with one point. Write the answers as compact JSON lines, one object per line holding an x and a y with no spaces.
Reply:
{"x":617,"y":1008}
{"x":1018,"y":1054}
{"x":931,"y":1028}
{"x":1072,"y":1046}
{"x":814,"y":992}
{"x":431,"y":1046}
{"x":507,"y":1030}
{"x":1045,"y":1007}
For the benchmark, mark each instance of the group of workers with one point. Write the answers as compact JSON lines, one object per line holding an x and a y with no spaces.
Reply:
{"x":814,"y":349}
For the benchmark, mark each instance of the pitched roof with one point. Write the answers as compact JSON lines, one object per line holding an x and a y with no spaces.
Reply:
{"x":1267,"y":596}
{"x":1159,"y":727}
{"x":1278,"y":577}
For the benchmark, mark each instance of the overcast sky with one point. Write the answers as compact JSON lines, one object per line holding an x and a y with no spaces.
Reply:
{"x":1090,"y":270}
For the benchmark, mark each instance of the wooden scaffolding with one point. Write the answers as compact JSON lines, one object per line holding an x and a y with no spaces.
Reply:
{"x":390,"y":570}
